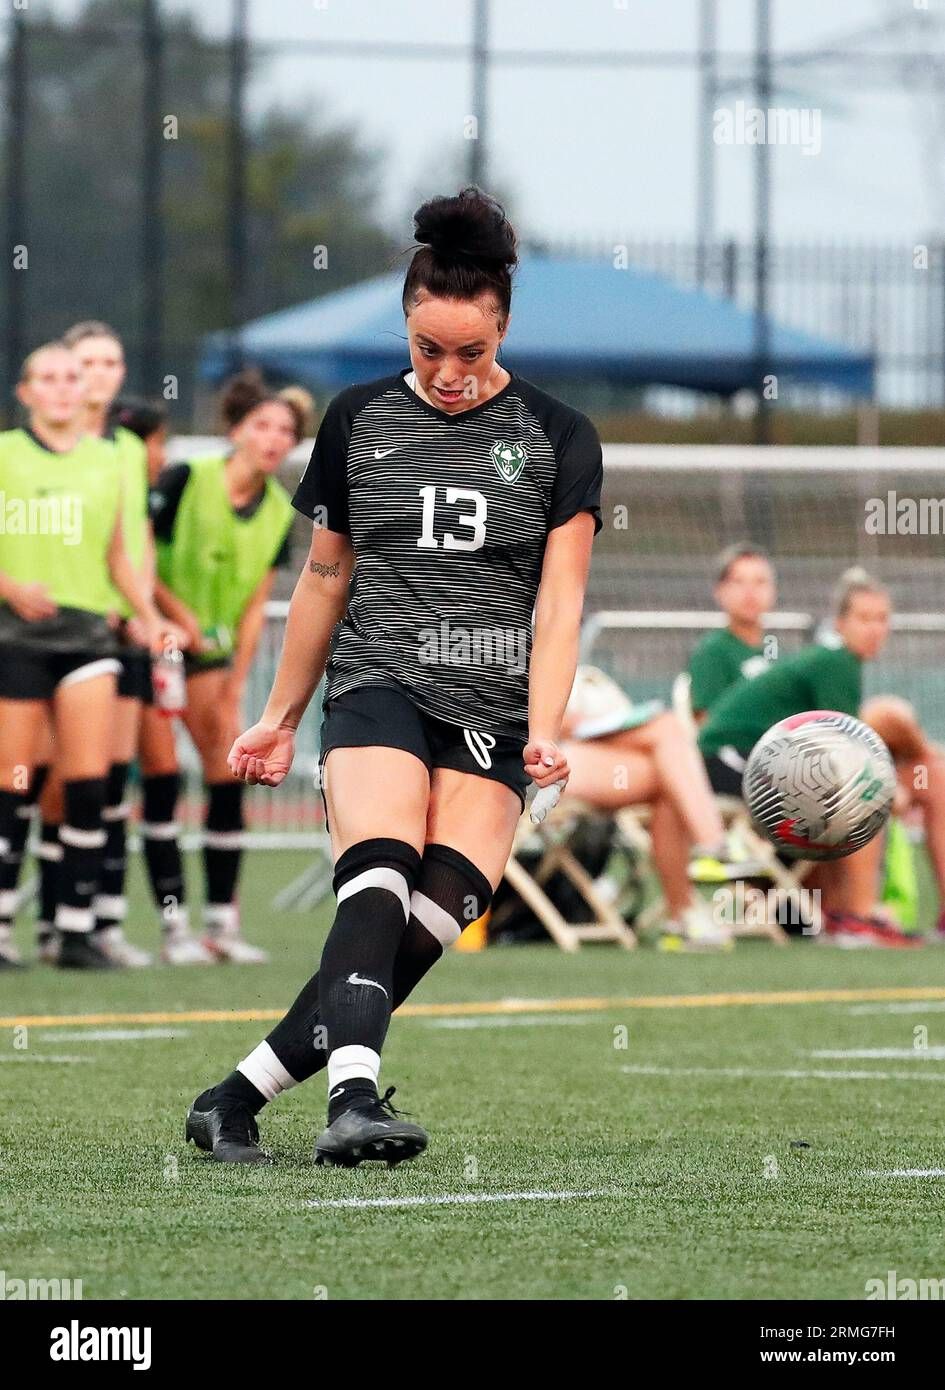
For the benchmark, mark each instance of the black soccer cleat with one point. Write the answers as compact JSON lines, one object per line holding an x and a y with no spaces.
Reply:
{"x":79,"y":951}
{"x":370,"y":1130}
{"x":228,"y":1131}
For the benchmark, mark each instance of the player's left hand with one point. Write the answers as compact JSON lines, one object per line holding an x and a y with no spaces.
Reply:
{"x":544,"y":762}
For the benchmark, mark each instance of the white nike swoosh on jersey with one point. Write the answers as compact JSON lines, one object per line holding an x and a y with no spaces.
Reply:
{"x":355,"y":979}
{"x":382,"y":453}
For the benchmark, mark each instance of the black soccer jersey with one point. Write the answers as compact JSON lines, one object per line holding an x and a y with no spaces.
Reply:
{"x":448,"y":517}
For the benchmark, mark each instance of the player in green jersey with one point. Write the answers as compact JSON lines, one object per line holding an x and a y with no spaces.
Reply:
{"x":222,"y":527}
{"x":745,"y":591}
{"x":828,"y":675}
{"x":62,"y":559}
{"x":101,"y":356}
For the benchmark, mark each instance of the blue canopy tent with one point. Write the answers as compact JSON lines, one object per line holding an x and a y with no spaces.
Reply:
{"x":571,"y":318}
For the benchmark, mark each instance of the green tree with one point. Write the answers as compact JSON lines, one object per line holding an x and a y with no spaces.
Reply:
{"x":309,"y":182}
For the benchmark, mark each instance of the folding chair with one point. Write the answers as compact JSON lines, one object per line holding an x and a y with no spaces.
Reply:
{"x":551,"y":839}
{"x":786,"y":882}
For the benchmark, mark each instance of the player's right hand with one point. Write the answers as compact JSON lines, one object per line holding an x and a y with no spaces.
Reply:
{"x":263,"y":754}
{"x":31,"y":602}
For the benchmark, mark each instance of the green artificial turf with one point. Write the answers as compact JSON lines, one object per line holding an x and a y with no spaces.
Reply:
{"x":700,"y":1186}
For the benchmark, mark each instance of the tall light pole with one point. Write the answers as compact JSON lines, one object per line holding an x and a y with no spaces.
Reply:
{"x":477,"y":163}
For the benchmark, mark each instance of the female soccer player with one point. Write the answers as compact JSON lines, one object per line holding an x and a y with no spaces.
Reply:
{"x":62,"y":559}
{"x":454,"y":494}
{"x":222,"y":527}
{"x":829,"y":675}
{"x":745,"y":591}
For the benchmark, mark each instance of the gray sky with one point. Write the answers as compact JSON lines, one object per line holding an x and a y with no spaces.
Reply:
{"x":605,"y":154}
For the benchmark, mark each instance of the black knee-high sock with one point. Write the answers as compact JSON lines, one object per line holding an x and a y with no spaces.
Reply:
{"x":222,"y":848}
{"x":450,"y":893}
{"x":11,"y":861}
{"x":49,"y":857}
{"x":373,"y":882}
{"x":10,"y":802}
{"x":160,"y":836}
{"x":82,"y":836}
{"x":109,"y":904}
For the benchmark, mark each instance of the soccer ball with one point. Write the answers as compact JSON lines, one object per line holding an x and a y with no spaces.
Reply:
{"x":819,"y":785}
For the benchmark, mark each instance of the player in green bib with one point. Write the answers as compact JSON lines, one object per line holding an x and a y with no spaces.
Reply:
{"x":745,"y":591}
{"x":829,"y":676}
{"x":62,"y":560}
{"x":221,"y":527}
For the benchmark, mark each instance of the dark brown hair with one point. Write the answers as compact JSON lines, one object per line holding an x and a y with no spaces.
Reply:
{"x":248,"y":391}
{"x":467,"y":247}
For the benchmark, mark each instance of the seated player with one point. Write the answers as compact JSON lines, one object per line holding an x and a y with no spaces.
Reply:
{"x":745,"y":591}
{"x":920,"y":769}
{"x":824,"y":675}
{"x":625,"y":755}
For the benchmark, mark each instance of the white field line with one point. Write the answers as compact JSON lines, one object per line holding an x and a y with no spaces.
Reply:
{"x":116,"y":1034}
{"x":792,"y":1074}
{"x":904,"y":1173}
{"x":914,"y":1006}
{"x":880,"y":1054}
{"x":459,"y":1199}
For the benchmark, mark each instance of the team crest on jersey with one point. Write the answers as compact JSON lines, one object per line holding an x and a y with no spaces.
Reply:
{"x":509,"y":460}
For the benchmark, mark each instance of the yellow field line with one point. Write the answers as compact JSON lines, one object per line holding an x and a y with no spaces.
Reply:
{"x":505,"y":1006}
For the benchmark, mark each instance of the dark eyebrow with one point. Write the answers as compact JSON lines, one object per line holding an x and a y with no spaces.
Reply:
{"x":480,"y":343}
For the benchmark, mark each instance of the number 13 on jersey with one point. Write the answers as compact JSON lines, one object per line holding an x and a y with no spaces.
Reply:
{"x":475,"y":520}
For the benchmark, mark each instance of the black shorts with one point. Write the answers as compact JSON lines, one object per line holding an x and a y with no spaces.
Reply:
{"x":723,"y":779}
{"x":385,"y":716}
{"x":134,"y":683}
{"x":193,"y":665}
{"x":29,"y":673}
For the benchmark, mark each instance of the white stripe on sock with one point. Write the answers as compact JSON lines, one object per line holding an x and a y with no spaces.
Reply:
{"x":222,"y":918}
{"x":347,"y":1063}
{"x":112,"y":906}
{"x":49,"y":849}
{"x":120,"y":812}
{"x":8,"y":902}
{"x":74,"y":918}
{"x":223,"y":839}
{"x":27,"y":812}
{"x":82,"y":839}
{"x":263,"y":1068}
{"x":4,"y":846}
{"x":436,"y":919}
{"x":391,"y":879}
{"x":159,"y":830}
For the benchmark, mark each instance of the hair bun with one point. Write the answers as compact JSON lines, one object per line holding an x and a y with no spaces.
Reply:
{"x":470,"y":226}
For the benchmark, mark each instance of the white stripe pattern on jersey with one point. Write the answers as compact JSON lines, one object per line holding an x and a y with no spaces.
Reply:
{"x":404,"y":589}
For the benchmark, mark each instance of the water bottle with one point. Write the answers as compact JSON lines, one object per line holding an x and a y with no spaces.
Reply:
{"x":169,"y":682}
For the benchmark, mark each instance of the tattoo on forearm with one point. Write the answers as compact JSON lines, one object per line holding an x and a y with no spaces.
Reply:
{"x":326,"y":571}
